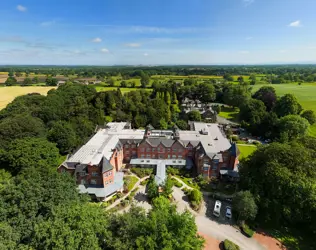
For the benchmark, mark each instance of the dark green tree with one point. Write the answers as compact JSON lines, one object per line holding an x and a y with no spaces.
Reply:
{"x":244,"y":206}
{"x":310,"y":116}
{"x":287,"y":105}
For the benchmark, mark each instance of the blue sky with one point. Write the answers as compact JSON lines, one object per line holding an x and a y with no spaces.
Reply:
{"x":153,"y":32}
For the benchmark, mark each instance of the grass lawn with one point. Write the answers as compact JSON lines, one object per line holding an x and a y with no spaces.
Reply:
{"x":229,"y":113}
{"x":305,"y":93}
{"x":7,"y":94}
{"x":246,"y":150}
{"x":130,"y":182}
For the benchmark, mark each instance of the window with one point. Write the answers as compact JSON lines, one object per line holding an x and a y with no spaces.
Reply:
{"x":224,"y":165}
{"x":214,"y":166}
{"x":126,"y":146}
{"x":153,"y":150}
{"x":205,"y":161}
{"x":142,"y":150}
{"x":142,"y":156}
{"x":147,"y":149}
{"x":205,"y":168}
{"x":93,"y":182}
{"x":94,"y":174}
{"x":148,"y":156}
{"x":133,"y":146}
{"x":179,"y":156}
{"x":174,"y":156}
{"x":82,"y":173}
{"x":174,"y":150}
{"x":169,"y":156}
{"x":168,"y":149}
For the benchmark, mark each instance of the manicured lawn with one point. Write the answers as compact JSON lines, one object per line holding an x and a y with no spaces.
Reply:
{"x":246,"y":150}
{"x":305,"y":93}
{"x":130,"y":182}
{"x":229,"y":113}
{"x":7,"y":94}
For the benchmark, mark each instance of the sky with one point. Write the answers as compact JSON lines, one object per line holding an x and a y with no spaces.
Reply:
{"x":157,"y":32}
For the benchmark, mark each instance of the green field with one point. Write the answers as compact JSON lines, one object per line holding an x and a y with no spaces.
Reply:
{"x":229,"y":113}
{"x":305,"y":93}
{"x":246,"y":150}
{"x":123,"y":90}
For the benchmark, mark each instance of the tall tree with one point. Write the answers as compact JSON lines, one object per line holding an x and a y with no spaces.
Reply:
{"x":287,"y":105}
{"x":244,"y":206}
{"x":310,"y":116}
{"x":292,"y":127}
{"x":267,"y":95}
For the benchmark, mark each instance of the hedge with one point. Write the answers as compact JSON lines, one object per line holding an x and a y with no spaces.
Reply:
{"x":228,"y":245}
{"x":247,"y":230}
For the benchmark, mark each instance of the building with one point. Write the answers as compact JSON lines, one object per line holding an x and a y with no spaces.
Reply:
{"x":97,"y":165}
{"x":206,"y":111}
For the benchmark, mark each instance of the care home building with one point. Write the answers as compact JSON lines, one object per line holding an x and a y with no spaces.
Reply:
{"x":97,"y":165}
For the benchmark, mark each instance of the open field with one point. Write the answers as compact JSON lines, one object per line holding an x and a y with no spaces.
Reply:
{"x":7,"y":94}
{"x":123,"y":90}
{"x":246,"y":150}
{"x":229,"y":113}
{"x":305,"y":93}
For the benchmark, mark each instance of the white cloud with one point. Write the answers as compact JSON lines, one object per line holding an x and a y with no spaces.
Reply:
{"x":249,"y":38}
{"x":96,"y":40}
{"x":248,"y":2}
{"x":21,"y":8}
{"x":244,"y":52}
{"x":48,"y":23}
{"x":295,"y":24}
{"x":146,"y":54}
{"x":104,"y":50}
{"x":133,"y":45}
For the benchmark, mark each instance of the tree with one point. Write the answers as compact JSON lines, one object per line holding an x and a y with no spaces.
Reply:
{"x":27,"y":81}
{"x":133,"y":84}
{"x":194,"y":115}
{"x":20,"y":126}
{"x":144,"y":81}
{"x":63,"y":134}
{"x":167,"y":187}
{"x":10,"y":81}
{"x":235,"y":95}
{"x":310,"y":116}
{"x":267,"y":95}
{"x":244,"y":206}
{"x":163,"y":124}
{"x":189,"y":82}
{"x":51,"y":81}
{"x":252,"y":79}
{"x":287,"y":105}
{"x":228,"y":77}
{"x":152,"y":189}
{"x":30,"y":152}
{"x":253,"y":112}
{"x":111,"y":82}
{"x":240,"y":79}
{"x":67,"y":225}
{"x":123,"y":84}
{"x":281,"y":177}
{"x":292,"y":127}
{"x":182,"y":124}
{"x":35,"y":79}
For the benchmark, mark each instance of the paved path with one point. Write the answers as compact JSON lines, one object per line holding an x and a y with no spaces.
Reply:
{"x":213,"y":229}
{"x":114,"y":204}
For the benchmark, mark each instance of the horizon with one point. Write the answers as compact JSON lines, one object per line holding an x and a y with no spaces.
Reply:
{"x":159,"y":33}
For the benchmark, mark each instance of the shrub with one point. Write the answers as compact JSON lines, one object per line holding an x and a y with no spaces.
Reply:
{"x":129,"y":182}
{"x":235,"y":138}
{"x":124,"y":203}
{"x":142,"y":172}
{"x":173,"y":171}
{"x":247,"y":230}
{"x":228,"y":245}
{"x":177,"y":183}
{"x":144,"y":183}
{"x":256,"y":143}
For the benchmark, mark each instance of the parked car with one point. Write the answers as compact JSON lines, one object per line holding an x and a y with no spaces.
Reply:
{"x":228,"y":212}
{"x":217,"y":208}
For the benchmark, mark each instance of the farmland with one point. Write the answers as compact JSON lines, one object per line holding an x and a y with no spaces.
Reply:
{"x":7,"y":94}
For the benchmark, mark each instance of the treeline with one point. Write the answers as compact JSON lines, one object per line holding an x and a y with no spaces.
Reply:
{"x":41,"y":209}
{"x":288,"y":71}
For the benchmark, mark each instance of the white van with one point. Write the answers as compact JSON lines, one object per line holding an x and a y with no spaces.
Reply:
{"x":217,"y":208}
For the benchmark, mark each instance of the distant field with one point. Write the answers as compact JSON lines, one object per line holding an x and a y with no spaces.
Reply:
{"x":246,"y":150}
{"x":123,"y":90}
{"x":7,"y":94}
{"x":305,"y":93}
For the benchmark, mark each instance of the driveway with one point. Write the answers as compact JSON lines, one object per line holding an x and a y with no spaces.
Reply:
{"x":217,"y":230}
